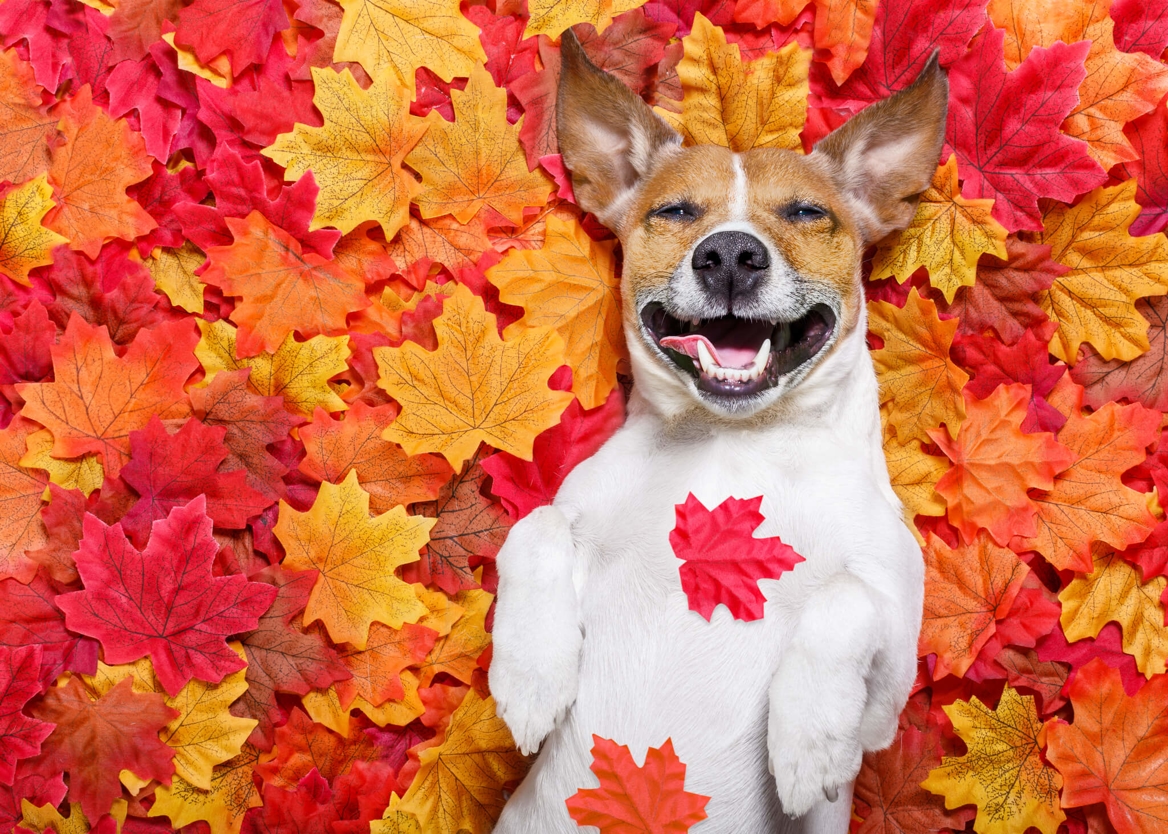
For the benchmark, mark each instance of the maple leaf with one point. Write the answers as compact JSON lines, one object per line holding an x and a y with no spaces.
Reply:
{"x":1141,"y":380}
{"x":441,"y":240}
{"x":1107,"y":271}
{"x":1149,"y":136}
{"x":915,"y":372}
{"x":223,"y":806}
{"x":994,"y":464}
{"x":460,"y":782}
{"x":1003,"y":772}
{"x":334,"y":448}
{"x":20,"y":735}
{"x":570,"y":285}
{"x":173,"y":271}
{"x":302,"y":745}
{"x":281,"y":288}
{"x":913,"y":474}
{"x":298,"y":371}
{"x":1113,"y":592}
{"x":170,"y":470}
{"x":723,"y":560}
{"x":476,"y":387}
{"x":947,"y":236}
{"x":26,"y":351}
{"x":163,"y":601}
{"x":469,"y":525}
{"x":475,"y":161}
{"x":551,"y":18}
{"x":356,"y":556}
{"x":399,"y":36}
{"x":97,"y":397}
{"x":243,"y":29}
{"x":1088,"y":502}
{"x":96,"y":739}
{"x":90,"y":171}
{"x":648,"y":798}
{"x":1024,"y":670}
{"x":376,"y":669}
{"x":843,"y":28}
{"x":457,"y":652}
{"x":21,"y":493}
{"x":24,"y":242}
{"x":758,"y":105}
{"x":1114,"y":751}
{"x":394,"y":820}
{"x":27,"y":129}
{"x":31,"y":617}
{"x":356,"y":156}
{"x":1004,"y":128}
{"x":967,"y":590}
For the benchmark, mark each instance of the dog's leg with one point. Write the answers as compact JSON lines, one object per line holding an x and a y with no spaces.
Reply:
{"x":819,"y":693}
{"x":536,"y":634}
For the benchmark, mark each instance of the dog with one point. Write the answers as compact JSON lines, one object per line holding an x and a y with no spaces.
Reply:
{"x":744,"y":313}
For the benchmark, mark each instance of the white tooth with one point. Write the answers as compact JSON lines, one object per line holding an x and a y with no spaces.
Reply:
{"x":760,"y":358}
{"x":708,"y":364}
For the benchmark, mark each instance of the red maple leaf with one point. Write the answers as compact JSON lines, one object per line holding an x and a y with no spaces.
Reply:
{"x":1149,"y":136}
{"x":723,"y":561}
{"x":95,"y":740}
{"x":990,"y":364}
{"x":25,"y":351}
{"x":1140,"y":26}
{"x":28,"y":785}
{"x":159,"y":194}
{"x":163,"y":601}
{"x":170,"y":470}
{"x":1004,"y":128}
{"x":134,"y":85}
{"x":651,"y":798}
{"x":31,"y":618}
{"x":62,"y":517}
{"x":20,"y":735}
{"x":302,"y":745}
{"x":243,"y":29}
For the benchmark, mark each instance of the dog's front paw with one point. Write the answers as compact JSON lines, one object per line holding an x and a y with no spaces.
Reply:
{"x":531,"y":698}
{"x":811,"y":768}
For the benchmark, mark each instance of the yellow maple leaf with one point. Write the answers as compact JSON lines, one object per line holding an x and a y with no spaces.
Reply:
{"x":24,"y":242}
{"x":760,"y":104}
{"x":48,"y":818}
{"x":570,"y":285}
{"x":173,"y":271}
{"x":914,"y":475}
{"x":476,"y":387}
{"x":355,"y":556}
{"x":918,"y":380}
{"x":395,"y":820}
{"x":460,"y":783}
{"x":84,"y":473}
{"x":441,"y":611}
{"x":1113,"y":592}
{"x":1003,"y":772}
{"x":399,"y":36}
{"x":356,"y":155}
{"x":223,"y":806}
{"x":476,"y":160}
{"x":298,"y":371}
{"x":552,"y":17}
{"x":457,"y":652}
{"x":205,"y":734}
{"x":1109,"y":269}
{"x":947,"y":236}
{"x":324,"y":707}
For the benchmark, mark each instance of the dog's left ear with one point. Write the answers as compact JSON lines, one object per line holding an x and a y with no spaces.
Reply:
{"x":610,"y":139}
{"x":885,"y":157}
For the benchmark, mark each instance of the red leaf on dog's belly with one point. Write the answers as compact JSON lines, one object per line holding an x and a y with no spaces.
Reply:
{"x":723,"y":561}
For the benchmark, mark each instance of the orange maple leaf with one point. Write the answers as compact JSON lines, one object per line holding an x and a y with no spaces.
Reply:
{"x":281,"y":288}
{"x":91,"y":171}
{"x":377,"y":668}
{"x":844,"y":29}
{"x":97,"y":397}
{"x":26,"y":129}
{"x":21,"y":491}
{"x":966,"y":591}
{"x":457,"y":653}
{"x":440,"y":240}
{"x":1116,"y":751}
{"x":994,"y":464}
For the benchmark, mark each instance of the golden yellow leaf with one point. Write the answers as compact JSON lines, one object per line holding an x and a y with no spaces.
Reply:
{"x":24,"y":242}
{"x":457,"y":653}
{"x":395,"y":820}
{"x":441,"y":611}
{"x":84,"y":473}
{"x":914,"y":475}
{"x":947,"y":236}
{"x":356,"y":556}
{"x":173,"y":271}
{"x":1113,"y":592}
{"x":218,"y":71}
{"x":570,"y":285}
{"x":476,"y":387}
{"x":298,"y":371}
{"x":476,"y":161}
{"x":761,"y":104}
{"x":460,"y":783}
{"x":1003,"y":772}
{"x":1095,"y":301}
{"x":552,"y":17}
{"x":48,"y":818}
{"x":399,"y":36}
{"x":356,"y":155}
{"x":324,"y":707}
{"x":232,"y":792}
{"x":918,"y":380}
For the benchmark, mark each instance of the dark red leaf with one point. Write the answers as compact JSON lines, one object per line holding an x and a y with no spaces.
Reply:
{"x":32,"y":619}
{"x":1149,"y":136}
{"x":24,"y":351}
{"x":20,"y":735}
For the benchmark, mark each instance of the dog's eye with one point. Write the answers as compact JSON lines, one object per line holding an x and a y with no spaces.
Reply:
{"x":803,"y":212}
{"x":677,"y":211}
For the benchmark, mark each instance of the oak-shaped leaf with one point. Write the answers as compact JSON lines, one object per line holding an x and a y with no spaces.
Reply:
{"x":20,"y":735}
{"x":647,"y":798}
{"x":163,"y":601}
{"x":723,"y":560}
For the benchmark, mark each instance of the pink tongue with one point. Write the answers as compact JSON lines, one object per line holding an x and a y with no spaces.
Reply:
{"x":728,"y":356}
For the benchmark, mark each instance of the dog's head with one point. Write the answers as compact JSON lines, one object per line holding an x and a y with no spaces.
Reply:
{"x":742,"y":271}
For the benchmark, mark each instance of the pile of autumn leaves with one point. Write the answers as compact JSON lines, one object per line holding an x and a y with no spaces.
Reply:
{"x":299,"y":317}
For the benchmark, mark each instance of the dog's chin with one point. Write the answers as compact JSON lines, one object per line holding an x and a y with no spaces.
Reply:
{"x":738,"y":365}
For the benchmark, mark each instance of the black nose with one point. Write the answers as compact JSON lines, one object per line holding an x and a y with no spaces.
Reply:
{"x":730,"y":264}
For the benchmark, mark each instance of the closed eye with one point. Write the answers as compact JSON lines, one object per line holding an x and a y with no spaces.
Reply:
{"x":677,"y":211}
{"x":803,"y":212}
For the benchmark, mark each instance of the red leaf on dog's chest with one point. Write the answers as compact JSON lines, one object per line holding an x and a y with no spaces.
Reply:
{"x":723,"y":560}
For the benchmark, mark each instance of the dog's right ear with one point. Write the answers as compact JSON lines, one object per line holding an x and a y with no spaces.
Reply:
{"x":609,"y":138}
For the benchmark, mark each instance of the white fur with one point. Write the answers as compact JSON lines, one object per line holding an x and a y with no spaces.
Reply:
{"x":801,"y":692}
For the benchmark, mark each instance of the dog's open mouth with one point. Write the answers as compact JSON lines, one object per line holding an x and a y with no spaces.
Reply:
{"x":731,"y":356}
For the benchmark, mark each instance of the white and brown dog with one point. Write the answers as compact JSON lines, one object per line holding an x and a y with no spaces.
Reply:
{"x":745,"y":320}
